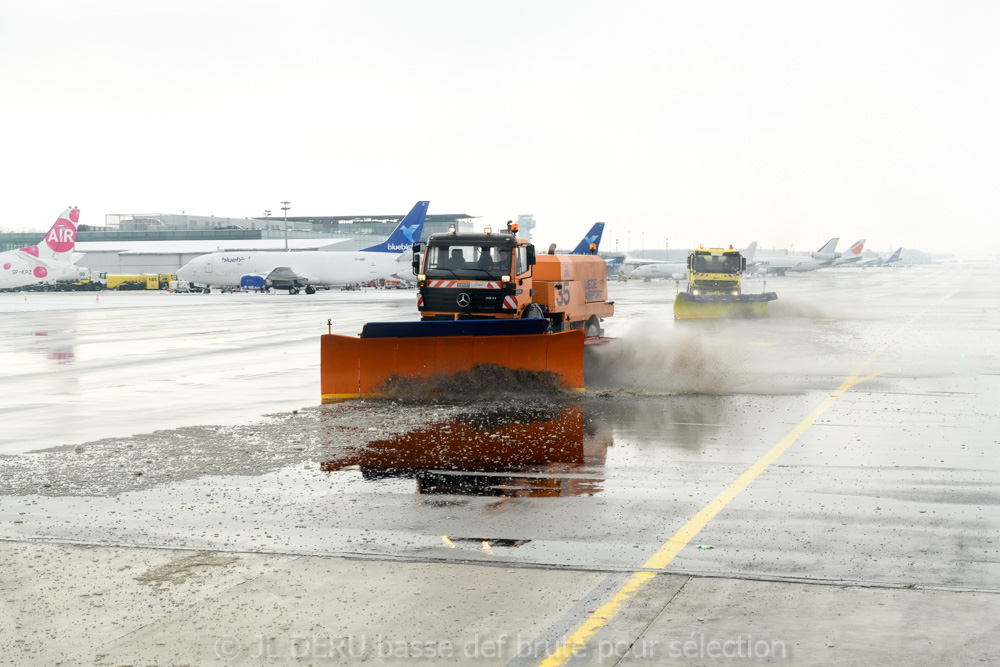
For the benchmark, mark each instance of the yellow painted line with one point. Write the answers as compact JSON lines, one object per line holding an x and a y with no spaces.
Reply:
{"x":673,"y":546}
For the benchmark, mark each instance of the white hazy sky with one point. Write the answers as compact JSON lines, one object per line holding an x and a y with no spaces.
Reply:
{"x":715,"y":122}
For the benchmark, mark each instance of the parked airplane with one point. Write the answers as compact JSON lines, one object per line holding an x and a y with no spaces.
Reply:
{"x":779,"y":264}
{"x":296,"y":270}
{"x":852,"y":257}
{"x":678,"y":270}
{"x":47,"y":262}
{"x":880,"y":261}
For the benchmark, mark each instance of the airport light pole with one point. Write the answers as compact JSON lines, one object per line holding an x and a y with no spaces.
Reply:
{"x":284,"y":207}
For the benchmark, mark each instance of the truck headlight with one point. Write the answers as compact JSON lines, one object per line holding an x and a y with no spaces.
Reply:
{"x":695,"y":292}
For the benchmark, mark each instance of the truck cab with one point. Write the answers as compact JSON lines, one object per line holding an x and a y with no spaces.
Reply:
{"x":497,"y":275}
{"x":715,"y":271}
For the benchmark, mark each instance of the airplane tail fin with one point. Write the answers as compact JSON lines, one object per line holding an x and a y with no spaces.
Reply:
{"x":828,"y":252}
{"x":829,"y":247}
{"x":750,"y":251}
{"x":856,"y":249}
{"x":60,"y":240}
{"x":894,"y":257}
{"x":593,"y":236}
{"x":406,"y":233}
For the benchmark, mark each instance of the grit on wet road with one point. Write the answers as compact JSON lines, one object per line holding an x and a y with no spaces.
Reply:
{"x":826,"y":480}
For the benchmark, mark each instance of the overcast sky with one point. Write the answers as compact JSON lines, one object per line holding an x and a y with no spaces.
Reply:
{"x":699,"y":122}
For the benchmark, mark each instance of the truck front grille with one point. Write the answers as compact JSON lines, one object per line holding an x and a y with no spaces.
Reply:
{"x":443,"y":300}
{"x":716,"y":285}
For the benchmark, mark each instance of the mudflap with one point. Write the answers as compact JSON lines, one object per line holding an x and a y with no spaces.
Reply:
{"x":353,"y":367}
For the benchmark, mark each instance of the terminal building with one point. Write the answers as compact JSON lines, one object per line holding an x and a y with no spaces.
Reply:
{"x":163,"y":242}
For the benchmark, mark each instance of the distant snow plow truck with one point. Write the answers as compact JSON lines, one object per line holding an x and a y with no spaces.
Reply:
{"x":715,"y":287}
{"x":483,"y":298}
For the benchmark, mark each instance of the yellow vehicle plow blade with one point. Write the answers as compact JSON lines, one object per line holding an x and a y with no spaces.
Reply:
{"x":687,"y":307}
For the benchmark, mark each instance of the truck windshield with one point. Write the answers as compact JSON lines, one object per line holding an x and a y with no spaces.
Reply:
{"x":467,"y":261}
{"x":726,"y":263}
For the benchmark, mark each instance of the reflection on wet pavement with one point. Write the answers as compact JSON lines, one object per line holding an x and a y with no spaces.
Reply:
{"x":525,"y":452}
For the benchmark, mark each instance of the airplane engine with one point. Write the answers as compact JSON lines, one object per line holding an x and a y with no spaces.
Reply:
{"x":251,"y":281}
{"x":825,"y":256}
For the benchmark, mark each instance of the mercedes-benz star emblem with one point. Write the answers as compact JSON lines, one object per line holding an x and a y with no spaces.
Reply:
{"x":463,"y":300}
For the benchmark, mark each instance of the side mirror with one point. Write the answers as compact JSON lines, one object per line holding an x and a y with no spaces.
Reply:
{"x":417,"y":247}
{"x":689,"y":263}
{"x":531,"y":255}
{"x":416,"y":263}
{"x":743,"y":264}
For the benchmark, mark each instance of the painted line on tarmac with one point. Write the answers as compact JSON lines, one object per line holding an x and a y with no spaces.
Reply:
{"x":673,"y":546}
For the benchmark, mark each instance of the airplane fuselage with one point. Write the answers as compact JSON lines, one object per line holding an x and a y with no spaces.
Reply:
{"x":313,"y":267}
{"x":19,"y":271}
{"x":781,"y":264}
{"x":673,"y":271}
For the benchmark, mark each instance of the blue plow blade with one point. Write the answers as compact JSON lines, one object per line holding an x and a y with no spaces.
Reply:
{"x":440,"y":328}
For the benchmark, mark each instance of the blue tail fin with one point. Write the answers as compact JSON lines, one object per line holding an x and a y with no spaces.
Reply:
{"x":593,"y":236}
{"x":407,"y":232}
{"x":895,"y":256}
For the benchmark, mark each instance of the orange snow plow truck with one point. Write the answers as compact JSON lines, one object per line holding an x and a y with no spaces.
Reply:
{"x":483,"y":298}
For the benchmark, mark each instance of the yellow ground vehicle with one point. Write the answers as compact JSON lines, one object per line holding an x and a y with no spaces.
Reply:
{"x":715,"y":287}
{"x":483,"y":299}
{"x":129,"y":281}
{"x":139,"y":281}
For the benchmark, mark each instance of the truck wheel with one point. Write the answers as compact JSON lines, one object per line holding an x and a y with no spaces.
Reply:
{"x":593,"y":327}
{"x":533,"y":311}
{"x":207,"y":290}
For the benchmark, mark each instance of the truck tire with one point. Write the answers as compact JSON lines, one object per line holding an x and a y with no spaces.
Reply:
{"x":532,"y":311}
{"x":593,"y":327}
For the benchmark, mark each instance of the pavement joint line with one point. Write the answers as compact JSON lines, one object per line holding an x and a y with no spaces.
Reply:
{"x":652,"y":621}
{"x":673,"y":546}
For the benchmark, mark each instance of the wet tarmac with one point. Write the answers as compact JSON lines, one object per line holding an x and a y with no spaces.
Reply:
{"x":847,"y":444}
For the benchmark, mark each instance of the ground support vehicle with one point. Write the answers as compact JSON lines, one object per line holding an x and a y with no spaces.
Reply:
{"x":483,"y":299}
{"x":715,"y":287}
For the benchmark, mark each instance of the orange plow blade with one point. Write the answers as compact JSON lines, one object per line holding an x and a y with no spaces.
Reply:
{"x":353,"y":367}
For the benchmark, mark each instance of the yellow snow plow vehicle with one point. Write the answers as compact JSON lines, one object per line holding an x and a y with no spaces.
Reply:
{"x":715,"y":287}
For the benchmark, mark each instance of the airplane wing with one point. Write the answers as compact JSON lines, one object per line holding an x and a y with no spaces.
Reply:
{"x":284,"y":275}
{"x":30,"y":259}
